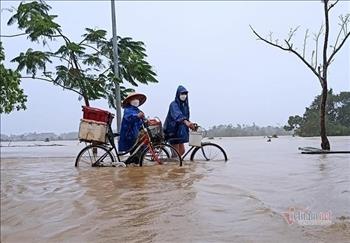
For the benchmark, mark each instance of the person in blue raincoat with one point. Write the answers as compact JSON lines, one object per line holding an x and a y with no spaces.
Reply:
{"x":132,"y":120}
{"x":177,"y":122}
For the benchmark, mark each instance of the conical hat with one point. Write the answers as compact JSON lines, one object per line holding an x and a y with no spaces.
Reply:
{"x":141,"y":97}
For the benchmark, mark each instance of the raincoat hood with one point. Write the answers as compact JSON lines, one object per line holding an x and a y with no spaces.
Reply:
{"x":183,"y":105}
{"x":180,"y":89}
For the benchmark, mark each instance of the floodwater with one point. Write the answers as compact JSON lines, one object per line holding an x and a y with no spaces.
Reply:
{"x":44,"y":198}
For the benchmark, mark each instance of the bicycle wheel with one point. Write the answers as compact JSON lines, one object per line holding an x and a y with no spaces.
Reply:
{"x":94,"y":155}
{"x":160,"y":154}
{"x":209,"y":152}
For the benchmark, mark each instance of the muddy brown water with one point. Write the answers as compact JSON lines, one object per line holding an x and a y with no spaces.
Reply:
{"x":44,"y":198}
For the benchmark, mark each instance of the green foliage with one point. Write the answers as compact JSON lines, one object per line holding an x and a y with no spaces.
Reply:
{"x":34,"y":19}
{"x":11,"y":95}
{"x":32,"y":61}
{"x":337,"y":117}
{"x":84,"y":67}
{"x":293,"y":123}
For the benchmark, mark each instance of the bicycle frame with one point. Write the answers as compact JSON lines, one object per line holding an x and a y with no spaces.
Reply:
{"x":143,"y":140}
{"x":193,"y":147}
{"x":183,"y":156}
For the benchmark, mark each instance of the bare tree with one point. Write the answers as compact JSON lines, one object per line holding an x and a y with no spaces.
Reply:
{"x":328,"y":54}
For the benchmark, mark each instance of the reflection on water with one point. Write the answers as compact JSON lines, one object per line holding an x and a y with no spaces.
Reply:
{"x":44,"y":198}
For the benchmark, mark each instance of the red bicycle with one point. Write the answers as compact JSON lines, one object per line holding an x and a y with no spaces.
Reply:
{"x":149,"y":149}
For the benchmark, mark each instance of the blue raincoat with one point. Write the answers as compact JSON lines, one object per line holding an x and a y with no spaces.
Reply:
{"x":130,"y":128}
{"x":175,"y":129}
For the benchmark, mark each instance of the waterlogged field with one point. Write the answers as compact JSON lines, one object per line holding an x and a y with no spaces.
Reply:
{"x":266,"y":192}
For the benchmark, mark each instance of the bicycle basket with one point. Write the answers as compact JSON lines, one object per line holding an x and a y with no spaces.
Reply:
{"x":92,"y":131}
{"x":195,"y":139}
{"x":196,"y":136}
{"x":155,"y":130}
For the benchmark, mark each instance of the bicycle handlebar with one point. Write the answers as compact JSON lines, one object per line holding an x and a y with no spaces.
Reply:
{"x":196,"y":126}
{"x":199,"y":128}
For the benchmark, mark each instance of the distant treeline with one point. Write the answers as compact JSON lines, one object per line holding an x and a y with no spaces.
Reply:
{"x":40,"y":137}
{"x":245,"y":130}
{"x":215,"y":131}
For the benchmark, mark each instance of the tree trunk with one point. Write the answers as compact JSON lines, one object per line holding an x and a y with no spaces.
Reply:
{"x":87,"y":103}
{"x":324,"y":140}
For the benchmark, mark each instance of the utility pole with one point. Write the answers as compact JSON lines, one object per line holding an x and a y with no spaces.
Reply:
{"x":116,"y":68}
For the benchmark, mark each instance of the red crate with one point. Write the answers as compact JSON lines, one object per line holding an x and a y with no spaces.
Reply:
{"x":95,"y":114}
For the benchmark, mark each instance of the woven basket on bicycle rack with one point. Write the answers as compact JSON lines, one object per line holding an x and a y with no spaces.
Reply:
{"x":92,"y":131}
{"x":155,"y":130}
{"x":94,"y":125}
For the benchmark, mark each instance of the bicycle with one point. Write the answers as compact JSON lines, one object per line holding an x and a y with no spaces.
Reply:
{"x":203,"y":151}
{"x":147,"y":150}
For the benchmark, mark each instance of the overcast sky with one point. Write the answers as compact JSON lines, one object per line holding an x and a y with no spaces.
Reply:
{"x":206,"y":46}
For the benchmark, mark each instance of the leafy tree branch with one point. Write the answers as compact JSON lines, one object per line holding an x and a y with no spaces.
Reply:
{"x":84,"y":67}
{"x":320,"y":70}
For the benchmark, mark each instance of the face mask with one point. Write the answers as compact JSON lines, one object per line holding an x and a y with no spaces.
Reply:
{"x":135,"y":103}
{"x":183,"y":97}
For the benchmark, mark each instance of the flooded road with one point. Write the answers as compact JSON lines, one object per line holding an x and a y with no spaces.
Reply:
{"x":44,"y":198}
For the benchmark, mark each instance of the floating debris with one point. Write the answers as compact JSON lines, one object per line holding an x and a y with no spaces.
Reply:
{"x":312,"y":150}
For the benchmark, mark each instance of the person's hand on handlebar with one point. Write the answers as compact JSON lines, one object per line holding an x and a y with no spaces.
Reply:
{"x":141,"y":115}
{"x":190,"y":125}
